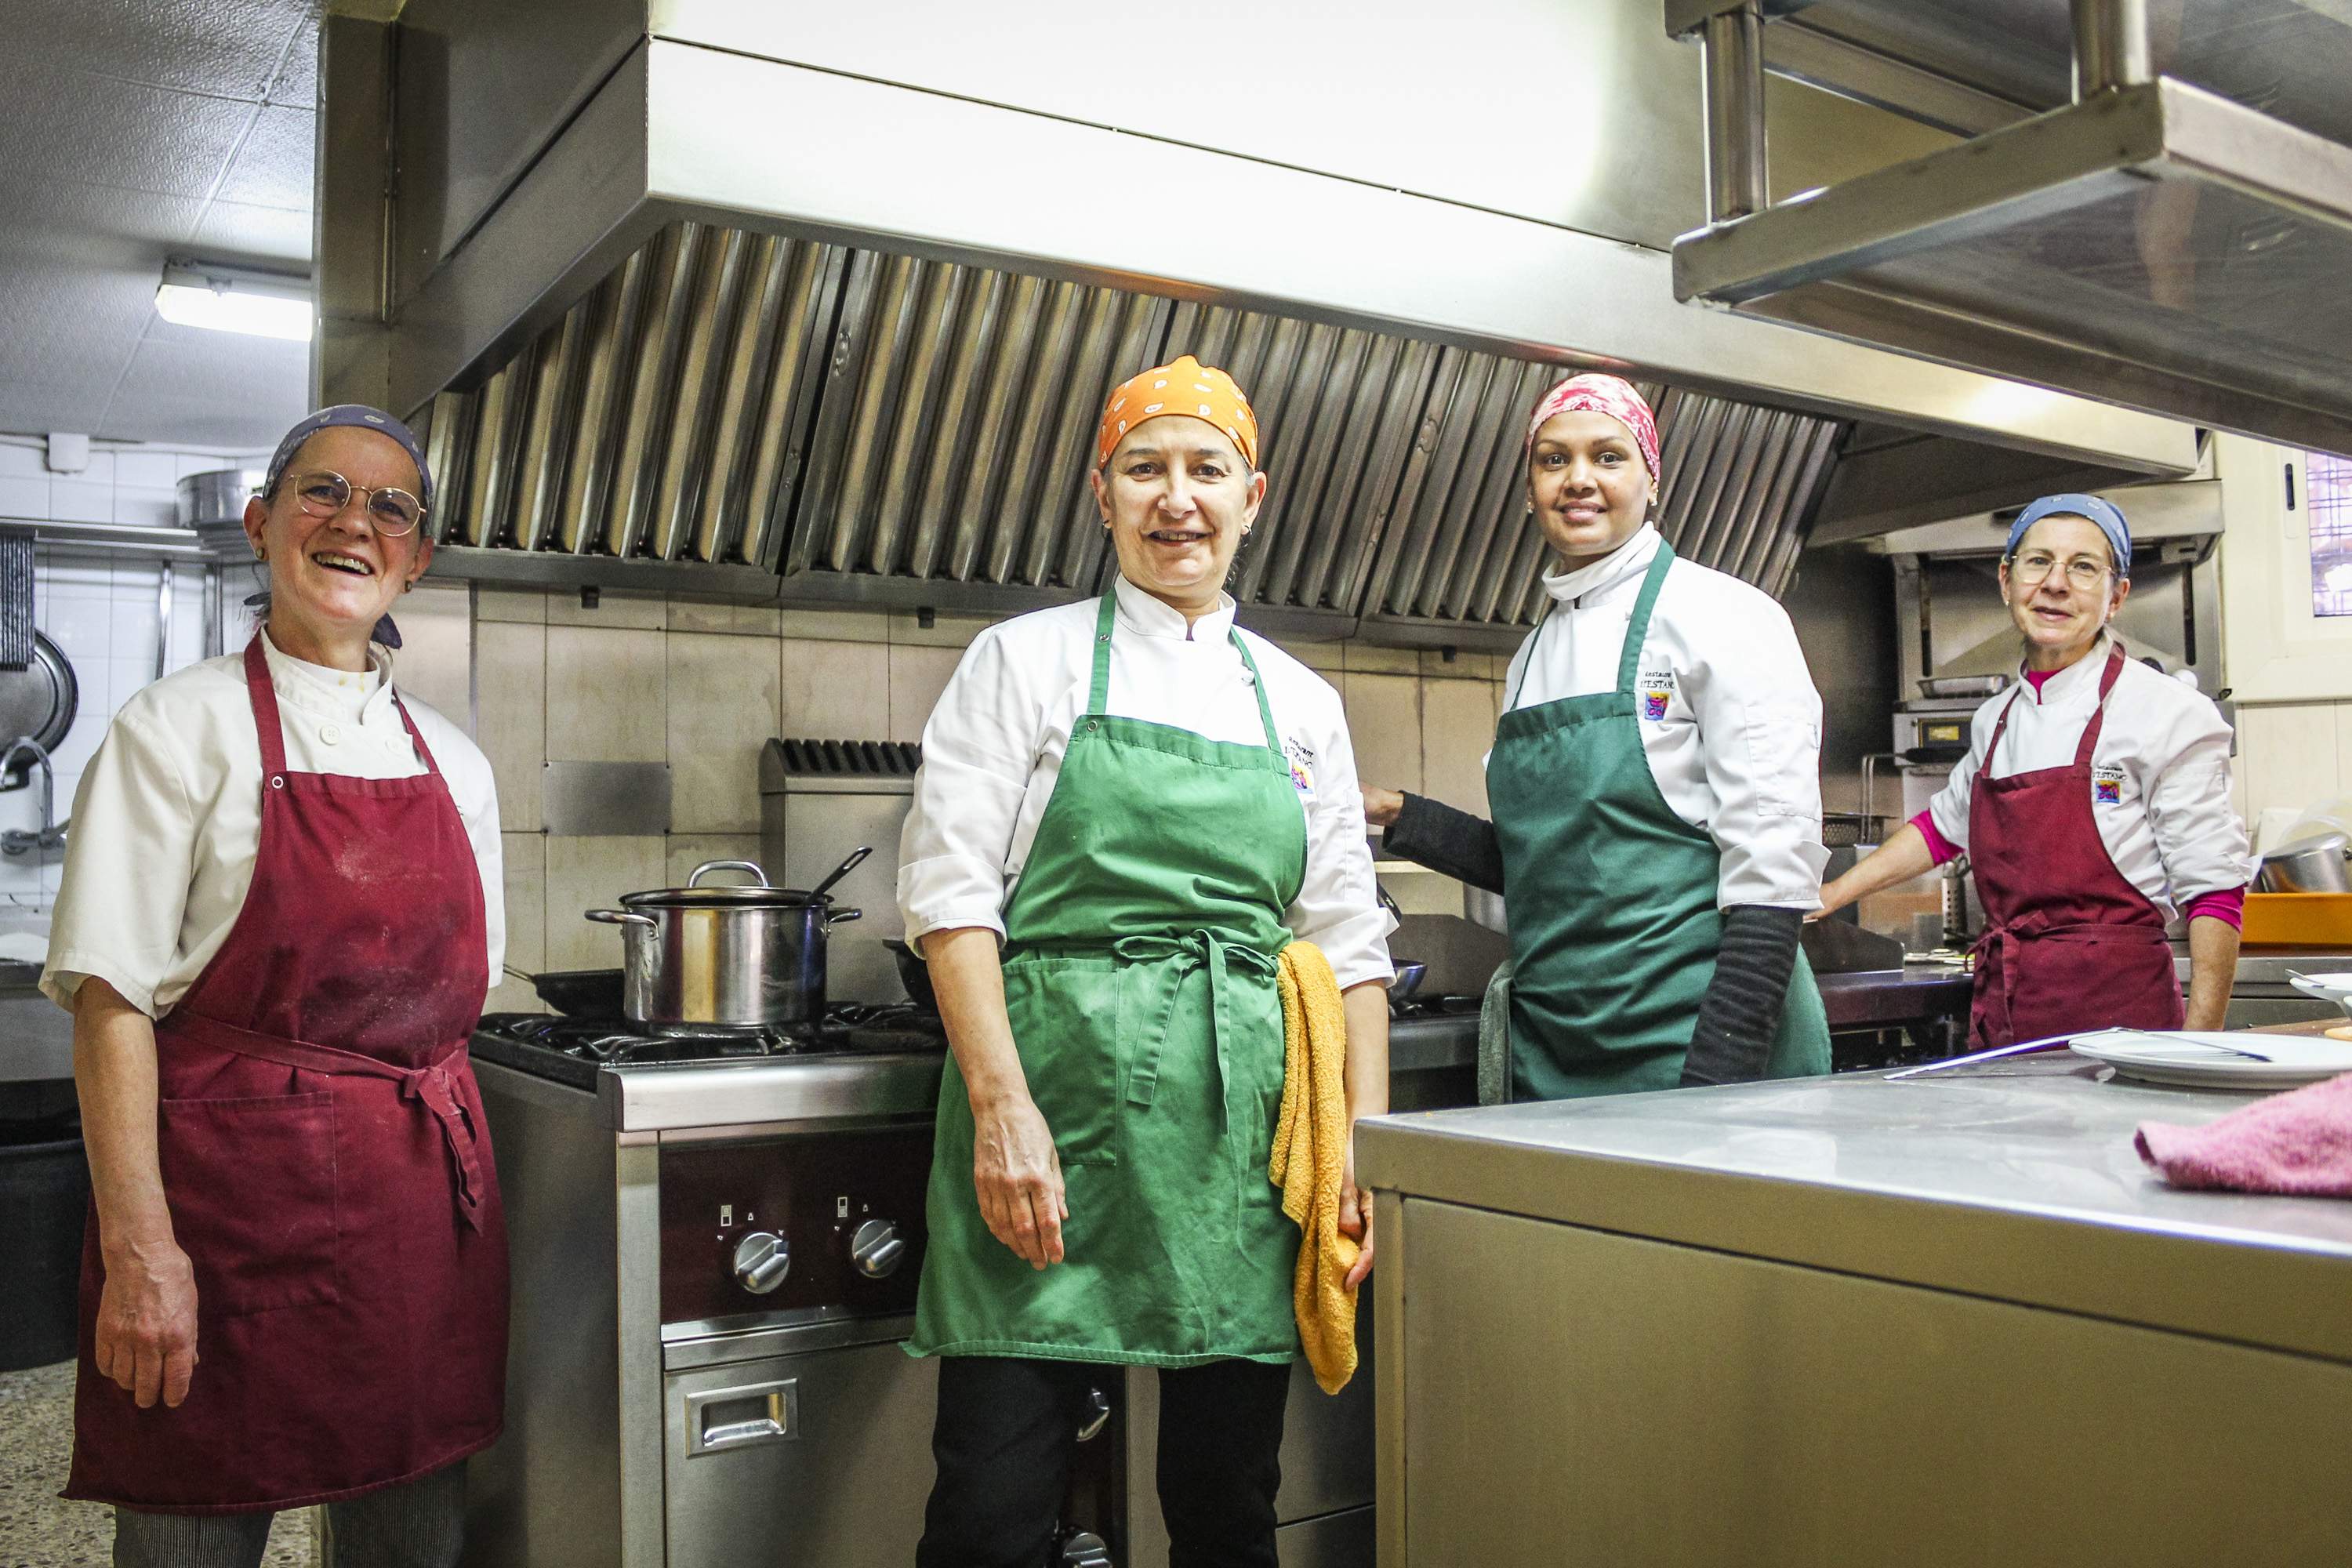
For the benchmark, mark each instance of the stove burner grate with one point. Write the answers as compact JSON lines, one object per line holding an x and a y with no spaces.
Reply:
{"x":603,"y":1040}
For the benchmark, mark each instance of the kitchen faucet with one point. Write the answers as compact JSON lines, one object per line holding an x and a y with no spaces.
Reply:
{"x":16,"y":840}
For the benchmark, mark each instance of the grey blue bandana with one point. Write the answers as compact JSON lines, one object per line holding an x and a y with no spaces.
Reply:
{"x":359,"y":416}
{"x":2104,"y":513}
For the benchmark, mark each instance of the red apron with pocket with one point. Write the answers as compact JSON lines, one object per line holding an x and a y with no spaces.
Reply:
{"x":327,"y":1164}
{"x":2070,"y":944}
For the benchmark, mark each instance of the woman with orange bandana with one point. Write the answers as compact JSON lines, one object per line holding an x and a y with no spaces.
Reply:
{"x":1127,"y":807}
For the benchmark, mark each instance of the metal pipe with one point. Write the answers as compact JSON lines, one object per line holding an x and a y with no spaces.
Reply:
{"x":1732,"y":51}
{"x":163,"y":621}
{"x":2110,"y":46}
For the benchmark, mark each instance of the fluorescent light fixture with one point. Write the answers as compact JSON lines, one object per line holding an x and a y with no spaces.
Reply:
{"x":235,"y":300}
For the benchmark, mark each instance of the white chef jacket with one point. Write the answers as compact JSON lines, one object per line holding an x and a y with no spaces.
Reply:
{"x":993,"y":751}
{"x":2159,"y":774}
{"x":1729,"y":720}
{"x":167,"y":822}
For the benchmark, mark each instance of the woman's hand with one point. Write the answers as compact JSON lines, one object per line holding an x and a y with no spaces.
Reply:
{"x":1018,"y":1177}
{"x":1356,"y":1218}
{"x":147,"y":1321}
{"x":1381,"y":806}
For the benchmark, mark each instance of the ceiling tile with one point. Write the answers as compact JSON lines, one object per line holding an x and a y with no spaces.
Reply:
{"x":246,"y":392}
{"x":272,"y":168}
{"x":298,"y":78}
{"x":230,"y":231}
{"x":231,"y":48}
{"x":70,"y":125}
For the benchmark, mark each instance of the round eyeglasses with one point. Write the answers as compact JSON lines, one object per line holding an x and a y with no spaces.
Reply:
{"x":391,"y":511}
{"x":2035,"y":565}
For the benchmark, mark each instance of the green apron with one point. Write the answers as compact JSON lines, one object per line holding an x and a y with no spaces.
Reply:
{"x":1140,"y":978}
{"x":1611,"y":899}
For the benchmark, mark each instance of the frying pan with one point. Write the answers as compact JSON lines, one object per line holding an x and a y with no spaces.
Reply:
{"x":584,"y":993}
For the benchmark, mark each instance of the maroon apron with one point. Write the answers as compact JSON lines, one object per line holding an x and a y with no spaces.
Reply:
{"x":2071,"y":944}
{"x":327,"y":1164}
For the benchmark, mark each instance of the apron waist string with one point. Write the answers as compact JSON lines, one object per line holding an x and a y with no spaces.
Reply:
{"x":430,"y":1083}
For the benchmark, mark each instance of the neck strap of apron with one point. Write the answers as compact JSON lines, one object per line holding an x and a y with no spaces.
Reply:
{"x":1098,"y":691}
{"x":2083,"y":748}
{"x":1628,"y":658}
{"x":272,"y":727}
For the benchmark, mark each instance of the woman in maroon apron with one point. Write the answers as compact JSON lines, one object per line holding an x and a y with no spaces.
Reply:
{"x":2094,"y":803}
{"x":294,"y":1286}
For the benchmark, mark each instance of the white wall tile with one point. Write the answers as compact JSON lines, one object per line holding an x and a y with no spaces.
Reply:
{"x":834,"y":690}
{"x":588,"y":874}
{"x":1323,"y":655}
{"x":78,"y":576}
{"x":918,"y":676}
{"x":525,"y":881}
{"x":98,"y":470}
{"x":82,"y":626}
{"x":685,"y":851}
{"x":21,"y":461}
{"x":154,"y":470}
{"x":25,"y":496}
{"x":1384,"y":722}
{"x":1457,"y":727}
{"x":147,"y":508}
{"x":510,"y":708}
{"x":2290,"y":755}
{"x":492,"y":603}
{"x":836,"y":626}
{"x":81,"y":500}
{"x":687,"y":614}
{"x":127,"y":678}
{"x":1365,"y":657}
{"x":134,"y":625}
{"x":605,"y":693}
{"x":721,"y":708}
{"x":82,"y":742}
{"x":435,"y":661}
{"x":945,"y":631}
{"x":614,"y":608}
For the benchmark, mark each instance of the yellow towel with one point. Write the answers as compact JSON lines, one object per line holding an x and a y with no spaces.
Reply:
{"x":1310,"y":1153}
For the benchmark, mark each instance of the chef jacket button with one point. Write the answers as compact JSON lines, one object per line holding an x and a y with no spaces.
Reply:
{"x":332,"y":734}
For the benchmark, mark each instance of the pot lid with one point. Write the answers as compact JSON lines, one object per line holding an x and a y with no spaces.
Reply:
{"x":695,"y":896}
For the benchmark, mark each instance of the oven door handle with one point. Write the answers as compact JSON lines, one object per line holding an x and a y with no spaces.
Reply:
{"x":722,"y":1419}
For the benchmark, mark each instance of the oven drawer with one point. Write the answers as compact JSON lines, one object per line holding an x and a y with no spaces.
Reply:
{"x":819,"y":1460}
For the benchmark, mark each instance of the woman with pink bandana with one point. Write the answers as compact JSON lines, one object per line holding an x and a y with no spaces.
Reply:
{"x":1655,"y":781}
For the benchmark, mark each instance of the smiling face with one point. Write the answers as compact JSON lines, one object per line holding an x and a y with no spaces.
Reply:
{"x":331,"y":578}
{"x":1589,"y":484}
{"x":2076,"y":595}
{"x":1177,"y":499}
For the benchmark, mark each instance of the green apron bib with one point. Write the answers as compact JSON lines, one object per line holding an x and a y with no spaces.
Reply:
{"x":1611,"y":899}
{"x":1140,"y":977}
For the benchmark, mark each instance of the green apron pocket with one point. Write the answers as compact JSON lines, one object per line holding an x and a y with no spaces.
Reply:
{"x":1065,"y":1013}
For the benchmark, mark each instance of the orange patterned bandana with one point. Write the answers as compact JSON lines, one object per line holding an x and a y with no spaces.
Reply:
{"x":1188,"y":386}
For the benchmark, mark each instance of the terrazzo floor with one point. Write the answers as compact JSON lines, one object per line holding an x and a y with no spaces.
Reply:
{"x":39,"y":1531}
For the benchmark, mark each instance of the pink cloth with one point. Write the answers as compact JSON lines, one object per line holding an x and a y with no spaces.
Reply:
{"x":2299,"y":1144}
{"x":2037,"y":678}
{"x":1941,"y":847}
{"x":1595,"y":393}
{"x":2223,"y":904}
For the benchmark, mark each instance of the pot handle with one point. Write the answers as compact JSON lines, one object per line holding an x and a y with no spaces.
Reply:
{"x":620,"y":918}
{"x":710,"y":866}
{"x":841,"y":917}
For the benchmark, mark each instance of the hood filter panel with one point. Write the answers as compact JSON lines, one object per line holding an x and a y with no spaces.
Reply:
{"x":729,"y":397}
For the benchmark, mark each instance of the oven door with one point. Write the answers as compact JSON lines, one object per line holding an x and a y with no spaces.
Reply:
{"x":814,"y":1452}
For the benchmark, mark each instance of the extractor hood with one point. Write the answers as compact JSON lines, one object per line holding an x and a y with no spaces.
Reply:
{"x":686,"y":295}
{"x":2156,"y":243}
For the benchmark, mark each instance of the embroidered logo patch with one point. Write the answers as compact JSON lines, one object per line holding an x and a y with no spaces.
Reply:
{"x":2107,"y":785}
{"x":1658,"y":688}
{"x":1302,"y":766}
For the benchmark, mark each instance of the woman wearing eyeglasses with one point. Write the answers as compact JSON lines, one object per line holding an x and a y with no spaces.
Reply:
{"x":2094,"y":802}
{"x":279,"y":917}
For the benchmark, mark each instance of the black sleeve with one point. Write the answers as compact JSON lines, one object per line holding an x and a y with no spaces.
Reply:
{"x":1740,"y":1015}
{"x":1435,"y":834}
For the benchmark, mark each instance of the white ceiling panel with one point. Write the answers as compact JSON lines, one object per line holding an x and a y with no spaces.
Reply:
{"x":225,"y":48}
{"x":137,"y":131}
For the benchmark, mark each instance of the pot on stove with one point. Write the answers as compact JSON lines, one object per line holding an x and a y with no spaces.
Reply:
{"x":726,"y":955}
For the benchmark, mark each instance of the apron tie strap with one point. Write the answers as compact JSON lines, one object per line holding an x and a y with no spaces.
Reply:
{"x":431,"y":1085}
{"x":1195,"y":950}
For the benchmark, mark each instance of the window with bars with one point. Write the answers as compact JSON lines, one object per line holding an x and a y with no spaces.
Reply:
{"x":2327,"y":505}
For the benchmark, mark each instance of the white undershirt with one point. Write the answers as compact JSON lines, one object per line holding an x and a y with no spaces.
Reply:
{"x":167,"y":822}
{"x":1734,"y":745}
{"x":2163,"y":756}
{"x":993,"y":751}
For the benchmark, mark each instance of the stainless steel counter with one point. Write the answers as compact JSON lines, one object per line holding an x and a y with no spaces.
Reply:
{"x":1942,"y":1320}
{"x":35,"y":1034}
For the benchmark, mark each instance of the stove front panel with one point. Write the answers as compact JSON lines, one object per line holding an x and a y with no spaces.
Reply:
{"x":726,"y":1207}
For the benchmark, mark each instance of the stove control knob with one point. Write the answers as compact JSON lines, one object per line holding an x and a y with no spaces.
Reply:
{"x":762,"y":1260}
{"x":878,"y":1249}
{"x":1084,"y":1549}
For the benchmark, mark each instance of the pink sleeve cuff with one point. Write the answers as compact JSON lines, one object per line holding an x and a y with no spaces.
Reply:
{"x":2228,"y":904}
{"x":1941,"y":847}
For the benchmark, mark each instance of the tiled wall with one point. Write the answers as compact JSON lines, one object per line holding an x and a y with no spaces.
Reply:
{"x":101,"y":608}
{"x":2291,"y":757}
{"x":701,"y":686}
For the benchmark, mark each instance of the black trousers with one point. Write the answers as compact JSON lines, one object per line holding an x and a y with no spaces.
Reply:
{"x":1003,"y":1440}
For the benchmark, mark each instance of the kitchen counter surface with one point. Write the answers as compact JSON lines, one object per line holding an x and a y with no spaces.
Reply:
{"x":2015,"y":1180}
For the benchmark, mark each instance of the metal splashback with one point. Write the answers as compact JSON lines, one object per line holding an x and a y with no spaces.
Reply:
{"x":878,"y":426}
{"x":2158,"y":244}
{"x":907,"y":168}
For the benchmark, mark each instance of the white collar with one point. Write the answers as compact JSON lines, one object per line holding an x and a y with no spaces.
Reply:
{"x":2071,"y":682}
{"x":1151,"y":617}
{"x":1628,"y":560}
{"x":347,"y":694}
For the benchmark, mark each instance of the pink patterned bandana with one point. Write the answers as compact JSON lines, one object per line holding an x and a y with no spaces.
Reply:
{"x":1597,"y":394}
